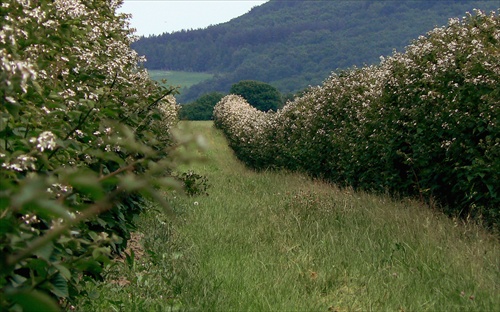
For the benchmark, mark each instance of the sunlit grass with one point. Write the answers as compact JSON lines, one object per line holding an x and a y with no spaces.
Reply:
{"x":277,"y":241}
{"x":179,"y":78}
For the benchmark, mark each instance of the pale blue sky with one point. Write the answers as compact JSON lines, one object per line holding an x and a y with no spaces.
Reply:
{"x":158,"y":16}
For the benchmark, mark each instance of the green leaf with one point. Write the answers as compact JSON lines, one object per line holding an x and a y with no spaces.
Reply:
{"x":59,"y":286}
{"x":45,"y":251}
{"x":101,"y":254}
{"x":3,"y":122}
{"x":32,"y":300}
{"x":37,"y":87}
{"x":54,"y":96}
{"x":87,"y":183}
{"x":5,"y":226}
{"x":63,"y":270}
{"x":19,"y":131}
{"x":13,"y":109}
{"x":90,"y":266}
{"x":94,"y":295}
{"x":131,"y":183}
{"x":18,"y":279}
{"x":101,"y":223}
{"x":31,"y":190}
{"x":51,"y":209}
{"x":130,"y":259}
{"x":93,"y":235}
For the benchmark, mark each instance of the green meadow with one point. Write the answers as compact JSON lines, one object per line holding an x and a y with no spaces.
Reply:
{"x":279,"y":241}
{"x":182,"y":79}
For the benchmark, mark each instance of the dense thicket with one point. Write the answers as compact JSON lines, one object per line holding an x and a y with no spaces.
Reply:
{"x":424,"y":123}
{"x":84,"y":139}
{"x":259,"y":94}
{"x":294,"y":44}
{"x":202,"y":108}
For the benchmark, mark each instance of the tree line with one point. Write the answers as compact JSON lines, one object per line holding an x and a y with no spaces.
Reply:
{"x":294,"y":44}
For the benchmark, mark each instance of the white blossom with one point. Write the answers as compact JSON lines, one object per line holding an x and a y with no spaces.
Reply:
{"x":45,"y":141}
{"x":21,"y":163}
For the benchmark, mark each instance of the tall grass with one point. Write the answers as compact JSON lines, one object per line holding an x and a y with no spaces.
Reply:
{"x":278,"y":241}
{"x":179,"y":78}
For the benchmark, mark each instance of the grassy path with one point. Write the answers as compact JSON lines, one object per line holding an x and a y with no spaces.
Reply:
{"x":278,"y":241}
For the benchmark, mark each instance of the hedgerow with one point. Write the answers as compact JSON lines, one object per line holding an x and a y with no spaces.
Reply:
{"x":421,"y":123}
{"x":84,"y":139}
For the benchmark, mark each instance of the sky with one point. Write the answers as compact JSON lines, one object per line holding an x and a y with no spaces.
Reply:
{"x":154,"y":17}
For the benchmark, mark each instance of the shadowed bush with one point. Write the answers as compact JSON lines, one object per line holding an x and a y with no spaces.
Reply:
{"x":260,"y":95}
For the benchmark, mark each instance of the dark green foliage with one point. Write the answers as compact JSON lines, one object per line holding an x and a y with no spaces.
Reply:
{"x":294,"y":44}
{"x":202,"y":108}
{"x":194,"y":184}
{"x":260,"y":95}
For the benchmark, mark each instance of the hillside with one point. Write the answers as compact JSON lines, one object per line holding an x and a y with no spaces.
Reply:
{"x":293,"y":44}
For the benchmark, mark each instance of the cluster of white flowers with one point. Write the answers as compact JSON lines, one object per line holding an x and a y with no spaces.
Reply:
{"x":71,"y":8}
{"x":169,"y":110}
{"x":45,"y":141}
{"x":170,"y":113}
{"x":14,"y":68}
{"x":30,"y":219}
{"x":59,"y":189}
{"x":21,"y":163}
{"x":243,"y":121}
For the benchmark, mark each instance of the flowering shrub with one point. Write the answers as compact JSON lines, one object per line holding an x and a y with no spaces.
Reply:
{"x":246,"y":128}
{"x":84,"y":138}
{"x":423,"y":122}
{"x":442,"y":110}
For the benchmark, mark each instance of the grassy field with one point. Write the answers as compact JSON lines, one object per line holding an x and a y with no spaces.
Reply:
{"x":179,"y":78}
{"x":278,"y":241}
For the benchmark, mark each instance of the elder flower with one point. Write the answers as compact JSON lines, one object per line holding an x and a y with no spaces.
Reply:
{"x":46,"y":141}
{"x":79,"y":133}
{"x":21,"y":163}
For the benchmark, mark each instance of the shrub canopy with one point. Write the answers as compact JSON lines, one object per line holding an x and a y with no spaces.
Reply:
{"x":260,"y":95}
{"x":202,"y":108}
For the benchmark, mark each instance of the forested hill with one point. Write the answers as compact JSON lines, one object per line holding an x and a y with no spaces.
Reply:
{"x":293,"y":44}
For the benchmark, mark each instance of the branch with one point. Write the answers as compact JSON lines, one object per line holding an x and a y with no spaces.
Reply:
{"x":118,"y":171}
{"x":169,"y":92}
{"x":59,"y":229}
{"x":112,"y":174}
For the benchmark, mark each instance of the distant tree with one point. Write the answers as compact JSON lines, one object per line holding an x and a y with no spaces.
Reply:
{"x":202,"y":108}
{"x":259,"y":94}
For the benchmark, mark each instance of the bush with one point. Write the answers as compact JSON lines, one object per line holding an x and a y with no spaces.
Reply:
{"x":202,"y":108}
{"x":245,"y":128}
{"x":422,"y":123}
{"x":194,"y":184}
{"x":260,"y":95}
{"x":442,"y":113}
{"x":85,"y":139}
